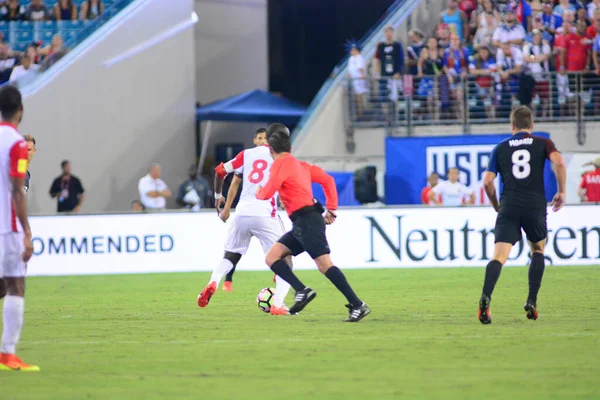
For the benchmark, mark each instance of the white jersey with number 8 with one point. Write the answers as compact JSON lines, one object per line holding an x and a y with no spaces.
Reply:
{"x":254,"y":165}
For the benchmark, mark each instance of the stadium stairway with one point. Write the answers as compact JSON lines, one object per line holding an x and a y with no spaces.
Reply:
{"x":121,"y":98}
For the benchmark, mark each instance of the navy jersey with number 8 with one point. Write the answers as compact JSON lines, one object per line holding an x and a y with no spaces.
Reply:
{"x":520,"y":161}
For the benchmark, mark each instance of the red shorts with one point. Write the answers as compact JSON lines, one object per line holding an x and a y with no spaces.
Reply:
{"x":542,"y":89}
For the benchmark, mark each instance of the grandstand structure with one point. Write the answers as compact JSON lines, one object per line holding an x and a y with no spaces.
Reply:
{"x":353,"y":141}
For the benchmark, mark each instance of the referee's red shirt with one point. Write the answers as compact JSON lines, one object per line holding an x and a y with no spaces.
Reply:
{"x":293,"y":178}
{"x":591,"y":183}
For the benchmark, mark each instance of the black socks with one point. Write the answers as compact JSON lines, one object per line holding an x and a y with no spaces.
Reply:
{"x":536,"y":272}
{"x":492,"y":273}
{"x":336,"y":276}
{"x":282,"y":269}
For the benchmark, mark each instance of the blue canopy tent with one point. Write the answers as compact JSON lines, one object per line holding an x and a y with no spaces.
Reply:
{"x":253,"y":106}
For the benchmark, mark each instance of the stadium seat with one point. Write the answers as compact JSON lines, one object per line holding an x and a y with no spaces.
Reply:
{"x":44,"y":36}
{"x":21,"y":25}
{"x":20,"y":36}
{"x":68,"y":25}
{"x":44,"y":25}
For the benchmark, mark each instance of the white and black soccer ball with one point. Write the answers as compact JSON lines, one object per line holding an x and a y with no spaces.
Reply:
{"x":265,"y":299}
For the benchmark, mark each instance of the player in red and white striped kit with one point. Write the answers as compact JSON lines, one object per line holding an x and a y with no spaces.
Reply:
{"x":15,"y":234}
{"x":253,"y":217}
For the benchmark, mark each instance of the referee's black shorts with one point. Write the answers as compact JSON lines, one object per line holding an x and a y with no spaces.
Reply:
{"x":510,"y":222}
{"x":308,"y":232}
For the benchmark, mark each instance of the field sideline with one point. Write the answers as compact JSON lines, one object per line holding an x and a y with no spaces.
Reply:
{"x":142,"y":336}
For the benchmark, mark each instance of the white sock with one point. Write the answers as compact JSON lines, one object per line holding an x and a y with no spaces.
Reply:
{"x":12,"y":315}
{"x":223,"y":269}
{"x":281,"y":290}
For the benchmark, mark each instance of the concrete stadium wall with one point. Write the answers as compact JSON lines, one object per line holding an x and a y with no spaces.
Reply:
{"x":231,"y":58}
{"x":112,"y":123}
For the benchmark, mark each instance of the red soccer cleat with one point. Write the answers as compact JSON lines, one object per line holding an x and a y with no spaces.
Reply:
{"x":10,"y":362}
{"x":207,"y":293}
{"x":279,"y":310}
{"x":227,"y":286}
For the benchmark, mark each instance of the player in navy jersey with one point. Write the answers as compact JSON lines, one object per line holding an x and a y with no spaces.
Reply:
{"x":520,"y":161}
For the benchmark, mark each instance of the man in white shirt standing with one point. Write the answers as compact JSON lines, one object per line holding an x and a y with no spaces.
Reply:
{"x":27,"y":67}
{"x":452,"y":191}
{"x":153,"y":190}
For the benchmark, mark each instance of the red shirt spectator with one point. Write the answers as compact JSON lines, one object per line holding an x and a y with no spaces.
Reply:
{"x":589,"y":188}
{"x":577,"y":49}
{"x":433,"y":179}
{"x":560,"y":41}
{"x":467,"y":6}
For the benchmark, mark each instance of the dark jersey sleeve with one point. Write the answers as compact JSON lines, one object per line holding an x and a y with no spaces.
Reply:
{"x":378,"y":51}
{"x":493,"y":162}
{"x":550,"y":147}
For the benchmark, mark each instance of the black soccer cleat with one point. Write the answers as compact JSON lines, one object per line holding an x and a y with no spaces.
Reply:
{"x":485,"y":312}
{"x":531,"y":310}
{"x":357,"y":313}
{"x":301,"y":300}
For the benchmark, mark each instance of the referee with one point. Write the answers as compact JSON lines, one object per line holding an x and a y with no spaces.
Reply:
{"x":292,"y":178}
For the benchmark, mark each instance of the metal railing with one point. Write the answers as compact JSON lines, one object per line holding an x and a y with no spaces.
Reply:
{"x":473,"y":99}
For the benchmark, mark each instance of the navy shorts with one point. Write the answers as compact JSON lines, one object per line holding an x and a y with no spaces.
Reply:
{"x":307,"y":234}
{"x":510,"y":222}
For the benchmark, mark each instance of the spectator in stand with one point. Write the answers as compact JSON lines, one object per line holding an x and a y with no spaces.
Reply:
{"x":522,"y":11}
{"x":502,"y":5}
{"x":456,"y":20}
{"x":8,"y":60}
{"x":485,"y":34}
{"x":137,"y":206}
{"x":433,"y":181}
{"x":67,"y":189}
{"x":483,"y":66}
{"x":456,"y":64}
{"x":576,"y":56}
{"x":37,"y":11}
{"x":536,"y":6}
{"x":468,"y":7}
{"x":550,"y":20}
{"x":582,"y":15}
{"x":358,"y":73}
{"x":194,"y":192}
{"x":429,"y":67}
{"x":562,"y":82}
{"x":564,"y":5}
{"x":537,"y":58}
{"x":509,"y":61}
{"x":592,"y":6}
{"x":478,"y":18}
{"x":443,"y":36}
{"x":388,"y":64}
{"x":65,"y":10}
{"x":91,"y":9}
{"x":32,"y":52}
{"x":12,"y":11}
{"x":154,"y":192}
{"x":592,"y":30}
{"x":453,"y":192}
{"x":539,"y":26}
{"x":413,"y":53}
{"x":589,"y":188}
{"x":55,"y":45}
{"x":569,"y":16}
{"x":510,"y":32}
{"x":20,"y":72}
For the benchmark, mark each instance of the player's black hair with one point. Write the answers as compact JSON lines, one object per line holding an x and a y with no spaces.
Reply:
{"x":259,"y":131}
{"x":280,"y":142}
{"x":521,"y":117}
{"x":10,"y":102}
{"x":63,"y":164}
{"x":273,"y":128}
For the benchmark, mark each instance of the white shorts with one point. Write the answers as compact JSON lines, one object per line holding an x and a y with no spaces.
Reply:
{"x":266,"y":229}
{"x":11,"y":253}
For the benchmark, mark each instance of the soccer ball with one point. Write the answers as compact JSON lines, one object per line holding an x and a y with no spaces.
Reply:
{"x":265,"y":299}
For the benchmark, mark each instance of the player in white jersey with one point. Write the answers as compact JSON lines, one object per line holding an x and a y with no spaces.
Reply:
{"x":253,"y":217}
{"x":15,"y":234}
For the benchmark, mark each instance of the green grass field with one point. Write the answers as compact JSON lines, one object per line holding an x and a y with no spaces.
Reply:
{"x":143,"y":337}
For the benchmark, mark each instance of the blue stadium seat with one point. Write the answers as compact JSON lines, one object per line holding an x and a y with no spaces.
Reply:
{"x":68,"y":25}
{"x":20,"y":46}
{"x":66,"y":35}
{"x":44,"y":25}
{"x":21,"y":36}
{"x":21,"y":25}
{"x":44,"y":36}
{"x":4,"y":27}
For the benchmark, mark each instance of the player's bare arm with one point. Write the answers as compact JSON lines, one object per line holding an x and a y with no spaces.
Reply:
{"x":221,"y":172}
{"x":433,"y":197}
{"x":231,"y":193}
{"x":20,"y":203}
{"x":560,"y":171}
{"x":79,"y":203}
{"x":490,"y":189}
